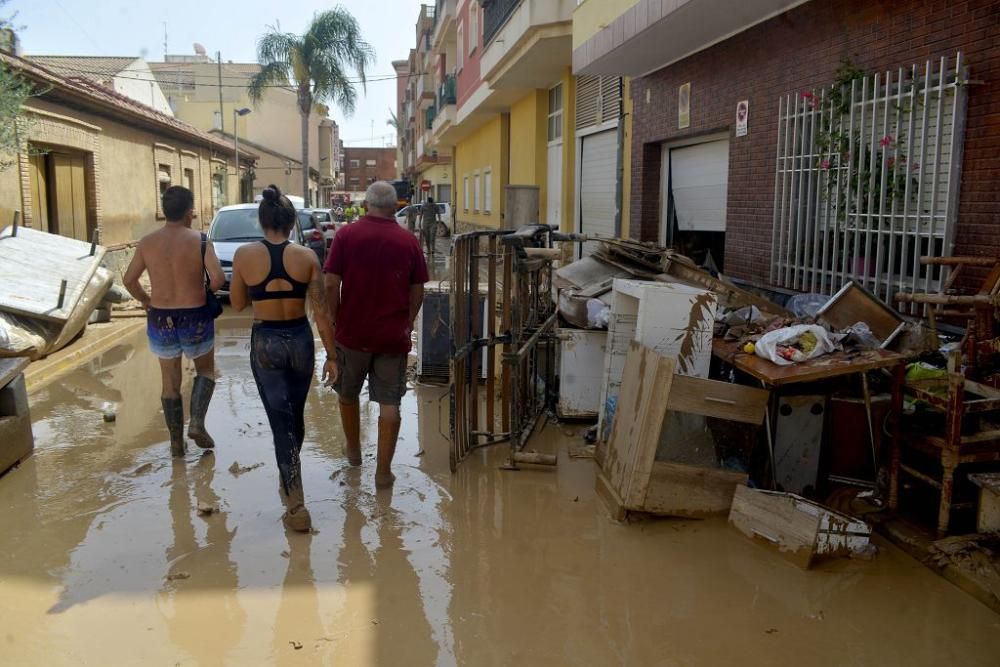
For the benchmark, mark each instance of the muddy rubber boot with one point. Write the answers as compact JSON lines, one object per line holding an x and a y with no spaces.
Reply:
{"x":173,"y":414}
{"x":350,"y":418}
{"x":296,"y":516}
{"x":201,"y":396}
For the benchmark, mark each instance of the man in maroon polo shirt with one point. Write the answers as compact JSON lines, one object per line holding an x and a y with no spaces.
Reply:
{"x":375,"y":277}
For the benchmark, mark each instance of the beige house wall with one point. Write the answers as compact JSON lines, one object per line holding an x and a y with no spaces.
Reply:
{"x":122,"y":164}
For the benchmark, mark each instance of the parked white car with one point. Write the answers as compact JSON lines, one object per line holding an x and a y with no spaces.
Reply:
{"x":444,"y":209}
{"x":238,"y":225}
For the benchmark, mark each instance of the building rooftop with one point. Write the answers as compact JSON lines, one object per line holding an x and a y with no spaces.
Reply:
{"x":99,"y":69}
{"x":80,"y":91}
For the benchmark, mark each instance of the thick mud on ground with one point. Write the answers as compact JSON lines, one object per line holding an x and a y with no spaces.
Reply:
{"x":107,"y":560}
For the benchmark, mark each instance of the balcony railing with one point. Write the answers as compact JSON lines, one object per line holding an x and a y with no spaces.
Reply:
{"x":495,"y":14}
{"x":446,"y":92}
{"x":430,"y":115}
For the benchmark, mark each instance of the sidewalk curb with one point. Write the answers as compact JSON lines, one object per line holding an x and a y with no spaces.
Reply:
{"x":43,"y":372}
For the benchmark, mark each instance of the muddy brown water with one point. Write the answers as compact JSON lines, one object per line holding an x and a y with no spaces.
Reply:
{"x":106,"y":560}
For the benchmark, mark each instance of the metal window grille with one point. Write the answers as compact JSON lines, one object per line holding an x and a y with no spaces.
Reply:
{"x":867,"y":181}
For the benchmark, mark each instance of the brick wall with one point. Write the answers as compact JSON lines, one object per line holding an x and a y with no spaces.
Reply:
{"x":384,"y":168}
{"x":799,"y":50}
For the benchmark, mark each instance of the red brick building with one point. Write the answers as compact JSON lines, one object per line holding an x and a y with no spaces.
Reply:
{"x":779,"y":221}
{"x":364,"y":166}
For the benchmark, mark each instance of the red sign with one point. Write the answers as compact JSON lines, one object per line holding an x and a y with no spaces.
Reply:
{"x":425,"y":186}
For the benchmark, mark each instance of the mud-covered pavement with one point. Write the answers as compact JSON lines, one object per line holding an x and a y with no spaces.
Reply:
{"x":107,"y":561}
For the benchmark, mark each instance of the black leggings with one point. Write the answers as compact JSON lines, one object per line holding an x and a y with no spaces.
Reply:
{"x":282,"y":358}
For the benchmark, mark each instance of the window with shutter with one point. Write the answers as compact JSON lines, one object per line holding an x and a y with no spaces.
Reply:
{"x":588,"y":94}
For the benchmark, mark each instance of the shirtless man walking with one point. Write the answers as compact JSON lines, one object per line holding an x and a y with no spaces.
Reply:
{"x":179,"y":321}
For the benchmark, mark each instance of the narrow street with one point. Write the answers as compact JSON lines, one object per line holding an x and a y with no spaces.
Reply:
{"x":108,"y":556}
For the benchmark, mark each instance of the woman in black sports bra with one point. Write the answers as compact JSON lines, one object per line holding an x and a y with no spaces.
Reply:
{"x":277,"y":277}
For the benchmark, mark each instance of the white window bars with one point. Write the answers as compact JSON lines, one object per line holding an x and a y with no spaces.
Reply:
{"x":866,"y":180}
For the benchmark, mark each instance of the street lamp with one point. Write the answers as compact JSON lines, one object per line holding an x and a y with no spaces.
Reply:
{"x":236,"y":146}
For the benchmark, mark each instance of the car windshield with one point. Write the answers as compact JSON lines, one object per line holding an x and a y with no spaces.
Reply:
{"x":306,"y":220}
{"x":237,"y":225}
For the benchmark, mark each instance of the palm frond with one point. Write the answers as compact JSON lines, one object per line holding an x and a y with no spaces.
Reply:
{"x":271,"y":74}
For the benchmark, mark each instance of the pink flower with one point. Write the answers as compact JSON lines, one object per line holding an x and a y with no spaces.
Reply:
{"x":824,"y":164}
{"x":890,"y":162}
{"x":886,"y":140}
{"x":915,"y":166}
{"x":810,"y":99}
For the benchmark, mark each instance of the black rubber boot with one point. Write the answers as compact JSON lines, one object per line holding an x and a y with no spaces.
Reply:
{"x":201,"y":396}
{"x":173,"y":414}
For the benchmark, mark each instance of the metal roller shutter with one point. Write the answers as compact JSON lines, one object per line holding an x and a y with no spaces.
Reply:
{"x":699,"y":179}
{"x":598,"y":159}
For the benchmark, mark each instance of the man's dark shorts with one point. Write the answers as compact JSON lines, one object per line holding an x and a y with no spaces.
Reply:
{"x":386,"y":374}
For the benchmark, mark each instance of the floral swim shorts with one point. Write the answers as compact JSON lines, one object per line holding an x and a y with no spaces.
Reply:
{"x":173,"y":331}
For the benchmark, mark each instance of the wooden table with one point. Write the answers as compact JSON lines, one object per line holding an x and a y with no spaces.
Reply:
{"x":826,"y":367}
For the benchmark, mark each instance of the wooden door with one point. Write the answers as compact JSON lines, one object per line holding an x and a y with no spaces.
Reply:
{"x":38,"y":182}
{"x":69,"y":196}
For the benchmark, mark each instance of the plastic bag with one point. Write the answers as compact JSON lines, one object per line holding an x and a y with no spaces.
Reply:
{"x":22,"y":336}
{"x":744,"y":315}
{"x":861,"y":334}
{"x":792,"y":345}
{"x":598,"y":314}
{"x":806,"y":305}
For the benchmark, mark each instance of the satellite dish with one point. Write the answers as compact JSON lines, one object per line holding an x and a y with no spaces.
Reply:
{"x":199,"y":50}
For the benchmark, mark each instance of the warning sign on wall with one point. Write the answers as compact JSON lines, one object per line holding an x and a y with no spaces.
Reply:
{"x":742,"y":118}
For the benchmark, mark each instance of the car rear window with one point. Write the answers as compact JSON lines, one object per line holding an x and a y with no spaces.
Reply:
{"x":238,"y":225}
{"x":305,"y":220}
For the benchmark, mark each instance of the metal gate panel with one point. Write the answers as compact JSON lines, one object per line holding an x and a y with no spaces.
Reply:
{"x":868,"y":205}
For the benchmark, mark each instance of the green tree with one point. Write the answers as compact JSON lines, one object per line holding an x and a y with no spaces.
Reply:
{"x":316,"y":64}
{"x":14,"y":91}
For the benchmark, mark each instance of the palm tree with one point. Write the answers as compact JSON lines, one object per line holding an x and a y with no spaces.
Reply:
{"x":316,"y":64}
{"x":393,"y":122}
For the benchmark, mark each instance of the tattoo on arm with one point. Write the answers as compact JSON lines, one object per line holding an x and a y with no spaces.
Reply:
{"x":321,"y":312}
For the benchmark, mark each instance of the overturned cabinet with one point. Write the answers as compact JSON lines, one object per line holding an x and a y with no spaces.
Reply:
{"x":665,"y":454}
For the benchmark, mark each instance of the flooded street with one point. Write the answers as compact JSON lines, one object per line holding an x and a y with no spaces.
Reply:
{"x":108,"y":561}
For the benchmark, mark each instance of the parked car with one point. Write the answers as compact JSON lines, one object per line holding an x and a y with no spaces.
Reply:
{"x":444,"y":209}
{"x":237,"y":225}
{"x":311,"y":221}
{"x":326,"y":220}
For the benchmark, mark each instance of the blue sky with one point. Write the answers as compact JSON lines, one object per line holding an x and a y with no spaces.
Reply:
{"x":135,"y":28}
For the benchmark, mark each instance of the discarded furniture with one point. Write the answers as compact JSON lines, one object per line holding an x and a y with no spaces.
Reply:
{"x":49,"y":287}
{"x":631,"y":479}
{"x":799,"y":529}
{"x":827,"y":367}
{"x":964,"y":439}
{"x":581,"y":372}
{"x":672,"y":319}
{"x":798,"y":440}
{"x":853,"y":304}
{"x":16,"y":440}
{"x":977,"y":311}
{"x":988,"y":515}
{"x":519,"y":330}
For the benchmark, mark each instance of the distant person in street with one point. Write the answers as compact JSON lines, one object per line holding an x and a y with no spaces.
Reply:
{"x":411,"y":218}
{"x":375,"y":277}
{"x":178,"y":321}
{"x":277,"y":277}
{"x":429,"y":216}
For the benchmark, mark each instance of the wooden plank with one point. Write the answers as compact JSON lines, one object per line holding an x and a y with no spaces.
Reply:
{"x":32,"y":266}
{"x":730,"y":295}
{"x":639,"y":417}
{"x":828,"y":366}
{"x":773,"y":520}
{"x":690,"y":491}
{"x":718,"y":399}
{"x":609,"y":498}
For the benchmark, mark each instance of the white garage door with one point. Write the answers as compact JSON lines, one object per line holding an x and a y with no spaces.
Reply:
{"x":699,"y":177}
{"x":598,"y":161}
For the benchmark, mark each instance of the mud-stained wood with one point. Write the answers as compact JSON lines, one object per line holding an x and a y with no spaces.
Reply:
{"x":718,"y":399}
{"x":609,"y":498}
{"x":774,"y":521}
{"x":853,"y":304}
{"x":10,"y":368}
{"x":690,"y":491}
{"x":639,"y":418}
